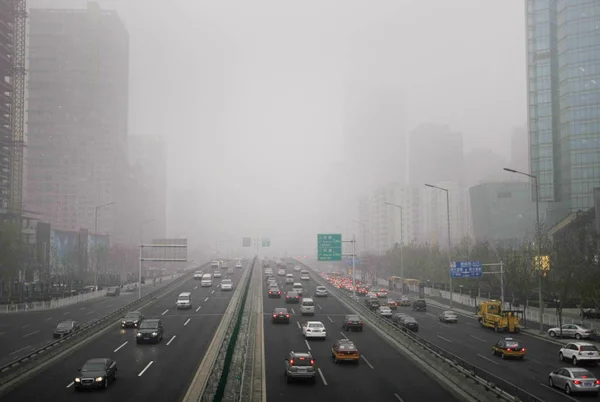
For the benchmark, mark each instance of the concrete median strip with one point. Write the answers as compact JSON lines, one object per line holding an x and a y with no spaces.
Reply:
{"x":16,"y":373}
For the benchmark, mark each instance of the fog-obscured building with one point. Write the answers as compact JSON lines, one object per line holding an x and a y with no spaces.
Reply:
{"x":76,"y":155}
{"x":519,"y":152}
{"x":483,"y":165}
{"x":435,"y":214}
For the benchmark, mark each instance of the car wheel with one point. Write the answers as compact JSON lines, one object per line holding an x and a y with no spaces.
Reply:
{"x":561,"y":357}
{"x":550,"y":382}
{"x":503,"y":356}
{"x":106,"y":383}
{"x":552,"y":334}
{"x":115,"y":375}
{"x":574,"y":361}
{"x":568,"y":389}
{"x":577,"y":336}
{"x":493,"y":352}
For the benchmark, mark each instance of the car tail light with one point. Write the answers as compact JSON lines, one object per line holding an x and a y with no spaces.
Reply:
{"x":523,"y":350}
{"x":508,"y":350}
{"x":597,"y":382}
{"x":312,"y":362}
{"x":297,"y":297}
{"x":287,"y":297}
{"x":577,"y":382}
{"x":275,"y":315}
{"x":291,"y":362}
{"x":584,"y":376}
{"x":287,"y":315}
{"x":349,"y":322}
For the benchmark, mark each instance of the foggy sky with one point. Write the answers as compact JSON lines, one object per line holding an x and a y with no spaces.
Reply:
{"x":248,"y":93}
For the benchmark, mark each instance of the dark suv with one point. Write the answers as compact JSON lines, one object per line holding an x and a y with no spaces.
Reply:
{"x":352,"y":322}
{"x":300,"y":366}
{"x":419,"y":305}
{"x":150,"y":331}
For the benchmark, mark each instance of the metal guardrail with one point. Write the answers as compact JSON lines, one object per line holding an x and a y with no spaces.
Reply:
{"x":491,"y":382}
{"x":21,"y":365}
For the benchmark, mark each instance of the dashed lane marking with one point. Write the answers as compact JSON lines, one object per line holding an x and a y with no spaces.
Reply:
{"x":479,"y":339}
{"x":89,"y":312}
{"x":199,"y":307}
{"x":206,"y":299}
{"x":119,"y":348}
{"x":165,"y":312}
{"x":298,"y":324}
{"x":488,"y":359}
{"x":368,"y":362}
{"x":398,"y":398}
{"x":70,"y":385}
{"x":186,"y":323}
{"x":344,"y":335}
{"x":20,"y":350}
{"x":444,"y":339}
{"x":322,"y":376}
{"x":307,"y":344}
{"x":145,"y":368}
{"x":31,"y":333}
{"x":329,"y":318}
{"x":171,"y":340}
{"x":48,"y":319}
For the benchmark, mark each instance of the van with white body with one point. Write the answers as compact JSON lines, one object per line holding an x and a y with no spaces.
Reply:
{"x":304,"y":275}
{"x":307,"y":306}
{"x":289,"y":278}
{"x":184,"y":300}
{"x":206,"y":280}
{"x":297,"y":287}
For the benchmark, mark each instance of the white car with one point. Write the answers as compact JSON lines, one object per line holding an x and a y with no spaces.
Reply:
{"x":321,"y":291}
{"x":297,"y":268}
{"x":579,"y":352}
{"x":226,"y":284}
{"x":448,"y":316}
{"x":238,"y":265}
{"x":215,"y":264}
{"x":217,"y":274}
{"x":384,"y":311}
{"x":289,"y":278}
{"x":314,"y":329}
{"x":281,"y":272}
{"x":571,"y":331}
{"x":305,"y":277}
{"x":198,"y":275}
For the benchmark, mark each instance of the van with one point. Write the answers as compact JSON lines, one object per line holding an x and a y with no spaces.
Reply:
{"x":297,"y":287}
{"x":307,"y":306}
{"x":289,"y":278}
{"x":206,"y":280}
{"x":184,"y":300}
{"x":304,"y":275}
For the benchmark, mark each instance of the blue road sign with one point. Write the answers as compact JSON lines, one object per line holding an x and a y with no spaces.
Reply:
{"x":348,"y":261}
{"x":466,"y":269}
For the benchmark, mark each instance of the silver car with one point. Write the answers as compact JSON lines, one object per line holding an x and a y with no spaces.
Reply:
{"x":574,"y":379}
{"x":571,"y":331}
{"x":448,"y":316}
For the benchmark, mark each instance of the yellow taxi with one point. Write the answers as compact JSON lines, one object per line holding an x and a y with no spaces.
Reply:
{"x":509,"y":348}
{"x":345,"y":350}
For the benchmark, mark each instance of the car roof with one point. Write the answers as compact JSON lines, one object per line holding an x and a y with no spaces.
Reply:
{"x":314,"y":322}
{"x":97,"y":360}
{"x":301,"y":354}
{"x":582,"y":344}
{"x":280,"y":309}
{"x":307,"y":299}
{"x":185,"y":294}
{"x":151,"y":320}
{"x":134,"y":312}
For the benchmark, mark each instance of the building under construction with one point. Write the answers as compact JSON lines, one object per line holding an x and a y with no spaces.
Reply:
{"x":13,"y":15}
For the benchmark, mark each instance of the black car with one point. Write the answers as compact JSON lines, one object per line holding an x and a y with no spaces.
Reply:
{"x":132,"y":319}
{"x":281,"y":315}
{"x":113,"y":291}
{"x":274,"y":293}
{"x":419,"y":305}
{"x":372,"y":303}
{"x":409,"y":323}
{"x":150,"y":331}
{"x":352,"y":322}
{"x":65,"y":328}
{"x":96,"y":373}
{"x":292,"y":297}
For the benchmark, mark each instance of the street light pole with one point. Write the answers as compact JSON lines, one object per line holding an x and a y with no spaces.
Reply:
{"x":538,"y":259}
{"x":449,"y":240}
{"x":141,"y":257}
{"x":401,"y":241}
{"x":95,"y":242}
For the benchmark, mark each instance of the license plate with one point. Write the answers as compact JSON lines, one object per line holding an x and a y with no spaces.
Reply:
{"x":302,"y":369}
{"x":587,"y":384}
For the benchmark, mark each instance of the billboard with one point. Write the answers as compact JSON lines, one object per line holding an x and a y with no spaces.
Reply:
{"x":63,"y":252}
{"x":173,"y":250}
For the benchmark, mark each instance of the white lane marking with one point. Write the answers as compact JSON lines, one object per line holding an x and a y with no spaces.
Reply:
{"x":48,"y":319}
{"x":293,"y":312}
{"x":25,"y":326}
{"x":171,"y":340}
{"x":186,"y":323}
{"x":83,"y":308}
{"x":322,"y":376}
{"x":535,"y":361}
{"x":206,"y":299}
{"x":20,"y":350}
{"x":445,"y":339}
{"x":165,"y":312}
{"x":31,"y":333}
{"x":199,"y":307}
{"x":558,"y":392}
{"x":329,"y":318}
{"x":472,"y":325}
{"x":109,"y":305}
{"x":212,"y":292}
{"x":344,"y":335}
{"x":119,"y":348}
{"x":89,"y":312}
{"x":444,"y":325}
{"x":398,"y":398}
{"x":145,"y":368}
{"x":319,"y":306}
{"x":298,"y":324}
{"x":479,"y":339}
{"x":488,"y":359}
{"x":307,"y":345}
{"x":70,"y":385}
{"x":196,"y":288}
{"x":431,"y":315}
{"x":368,"y":362}
{"x":66,"y":313}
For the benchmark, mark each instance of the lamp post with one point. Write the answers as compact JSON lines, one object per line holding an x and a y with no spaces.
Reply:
{"x":364,"y":235}
{"x":538,"y":260}
{"x":401,"y":240}
{"x":96,"y":240}
{"x":449,"y":241}
{"x":141,"y":256}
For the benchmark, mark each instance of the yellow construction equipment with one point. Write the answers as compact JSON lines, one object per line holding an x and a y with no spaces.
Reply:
{"x":491,"y":315}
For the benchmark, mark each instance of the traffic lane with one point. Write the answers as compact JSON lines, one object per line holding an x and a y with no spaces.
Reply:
{"x":343,"y":381}
{"x":38,"y":330}
{"x":475,"y":348}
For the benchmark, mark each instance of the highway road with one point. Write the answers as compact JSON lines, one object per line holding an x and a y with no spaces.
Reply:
{"x":384,"y":374}
{"x":21,"y":333}
{"x":159,"y":372}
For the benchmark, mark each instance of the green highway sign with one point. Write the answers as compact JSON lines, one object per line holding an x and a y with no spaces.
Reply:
{"x":266,"y":242}
{"x":329,"y":247}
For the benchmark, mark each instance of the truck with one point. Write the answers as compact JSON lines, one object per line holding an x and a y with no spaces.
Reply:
{"x":491,"y":314}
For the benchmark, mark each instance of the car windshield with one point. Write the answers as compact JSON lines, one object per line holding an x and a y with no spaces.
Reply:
{"x":281,"y":310}
{"x":409,"y":319}
{"x":315,"y":325}
{"x":352,"y":318}
{"x":512,"y":344}
{"x":302,"y":361}
{"x":65,"y":325}
{"x":93,"y":367}
{"x":588,"y":348}
{"x":148,"y":325}
{"x":226,"y":282}
{"x":346,"y":346}
{"x":131,"y":316}
{"x":582,"y":374}
{"x":321,"y":288}
{"x":184,"y":298}
{"x":308,"y":303}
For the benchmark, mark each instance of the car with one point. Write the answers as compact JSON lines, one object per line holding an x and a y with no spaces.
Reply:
{"x":224,"y":264}
{"x":226,"y":284}
{"x":352,"y":322}
{"x":404,"y":301}
{"x":150,"y":331}
{"x":579,"y":352}
{"x":198,"y":275}
{"x":345,"y":350}
{"x":574,"y":379}
{"x":300,"y":366}
{"x":184,"y":301}
{"x":419,"y":305}
{"x":289,"y":278}
{"x":281,"y":315}
{"x":372,"y":303}
{"x":572,"y":331}
{"x":113,"y":291}
{"x":95,"y":373}
{"x":281,"y":272}
{"x":409,"y":323}
{"x":393,"y":304}
{"x":321,"y":291}
{"x":314,"y":329}
{"x":448,"y":316}
{"x":384,"y":311}
{"x":509,"y":348}
{"x":217,"y":274}
{"x":132,"y":319}
{"x":274,"y":293}
{"x":298,"y":288}
{"x":397,"y":317}
{"x":215,"y":264}
{"x":65,"y":328}
{"x":307,"y":306}
{"x":382,"y":293}
{"x":304,"y":275}
{"x":297,"y":268}
{"x":292,"y":297}
{"x":239,"y":265}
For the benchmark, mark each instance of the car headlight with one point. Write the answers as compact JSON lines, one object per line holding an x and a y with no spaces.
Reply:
{"x":123,"y":322}
{"x":154,"y":334}
{"x":139,"y":334}
{"x":99,"y":379}
{"x":78,"y":380}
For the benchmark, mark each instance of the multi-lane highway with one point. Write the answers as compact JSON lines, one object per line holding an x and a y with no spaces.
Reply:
{"x":159,"y":372}
{"x":21,"y":333}
{"x":383,"y":374}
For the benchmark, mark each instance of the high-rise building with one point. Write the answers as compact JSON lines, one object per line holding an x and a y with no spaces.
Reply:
{"x":78,"y":115}
{"x":149,"y":153}
{"x":519,"y":151}
{"x":483,"y":165}
{"x":435,"y":154}
{"x":563,"y":76}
